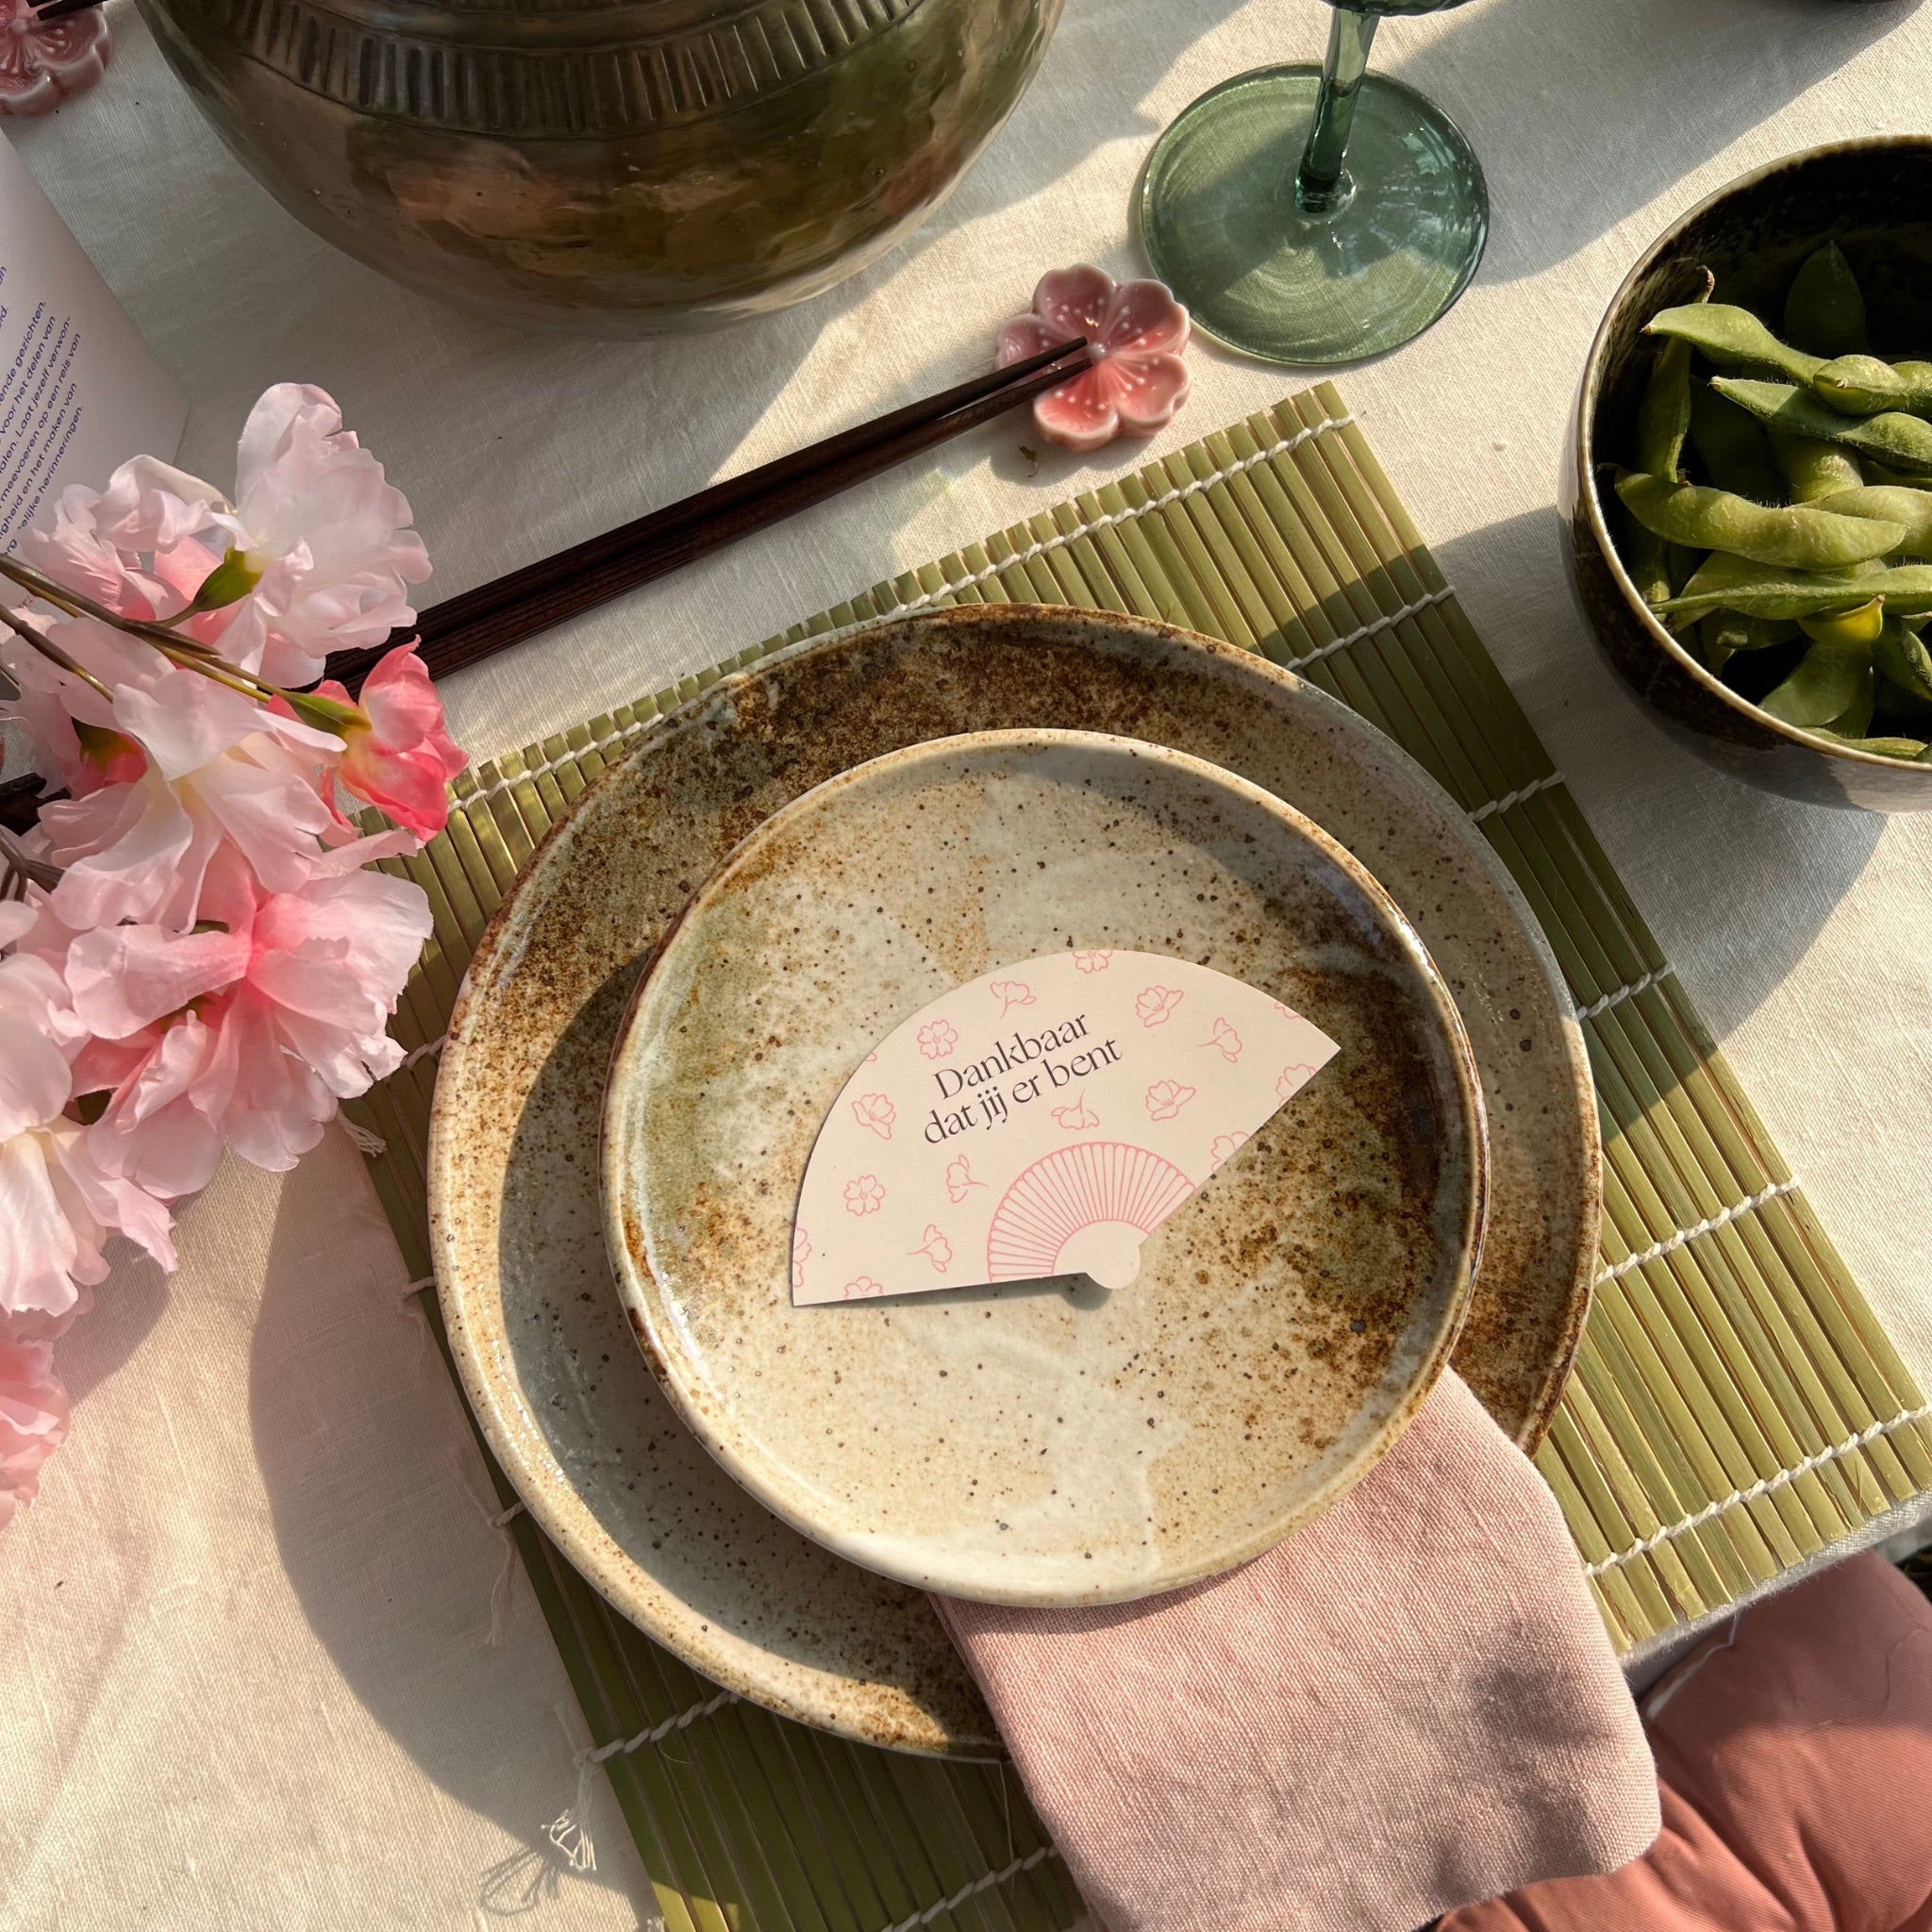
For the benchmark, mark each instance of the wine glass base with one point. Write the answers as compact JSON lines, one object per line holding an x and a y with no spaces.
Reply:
{"x":1220,"y":221}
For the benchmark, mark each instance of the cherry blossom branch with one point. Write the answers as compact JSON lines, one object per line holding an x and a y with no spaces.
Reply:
{"x":49,"y":649}
{"x":21,"y":865}
{"x":188,"y":653}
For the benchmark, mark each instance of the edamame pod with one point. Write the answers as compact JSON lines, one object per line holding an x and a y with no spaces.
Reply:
{"x":1732,"y":338}
{"x":1910,"y":510}
{"x":1814,"y":468}
{"x":1735,"y":583}
{"x":1864,"y":386}
{"x":1901,"y":658}
{"x":1733,"y":446}
{"x":1663,"y":417}
{"x":1831,"y":686}
{"x":1892,"y":436}
{"x":1797,"y":536}
{"x":1884,"y":747}
{"x":1733,"y":631}
{"x":1643,"y":556}
{"x":1825,"y":312}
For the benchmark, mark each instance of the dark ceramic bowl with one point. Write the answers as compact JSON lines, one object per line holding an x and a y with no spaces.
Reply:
{"x":1874,"y":199}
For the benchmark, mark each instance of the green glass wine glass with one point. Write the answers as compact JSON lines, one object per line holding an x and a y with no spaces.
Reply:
{"x":1316,"y":215}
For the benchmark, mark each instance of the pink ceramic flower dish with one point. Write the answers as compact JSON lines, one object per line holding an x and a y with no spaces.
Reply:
{"x":1138,"y":332}
{"x":43,"y":62}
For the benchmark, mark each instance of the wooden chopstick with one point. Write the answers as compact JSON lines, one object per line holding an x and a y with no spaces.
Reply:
{"x":505,"y":611}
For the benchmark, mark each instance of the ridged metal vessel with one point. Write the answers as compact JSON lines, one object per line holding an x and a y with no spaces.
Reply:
{"x":609,"y":167}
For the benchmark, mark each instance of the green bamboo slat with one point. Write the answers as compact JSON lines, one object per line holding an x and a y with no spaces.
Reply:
{"x":1702,"y":1443}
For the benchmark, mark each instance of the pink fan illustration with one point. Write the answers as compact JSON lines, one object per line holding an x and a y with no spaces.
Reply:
{"x":1043,"y":1121}
{"x":1083,"y":1210}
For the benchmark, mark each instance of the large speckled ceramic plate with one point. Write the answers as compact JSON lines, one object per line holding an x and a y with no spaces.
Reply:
{"x":1046,"y":1442}
{"x":541,"y":1342}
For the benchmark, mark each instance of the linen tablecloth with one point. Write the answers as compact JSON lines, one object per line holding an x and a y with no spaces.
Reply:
{"x":247,"y":1681}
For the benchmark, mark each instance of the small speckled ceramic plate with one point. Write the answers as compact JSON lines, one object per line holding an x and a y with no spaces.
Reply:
{"x":1046,"y":1442}
{"x":542,"y":1343}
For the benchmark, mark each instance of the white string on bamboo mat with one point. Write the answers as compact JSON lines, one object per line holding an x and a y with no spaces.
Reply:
{"x":1373,"y":627}
{"x":417,"y":1052}
{"x":1041,"y":547}
{"x":983,"y":1883}
{"x":1622,"y":993}
{"x":570,"y":1830}
{"x":1670,"y":1244}
{"x":1769,"y":1486}
{"x":1522,"y":792}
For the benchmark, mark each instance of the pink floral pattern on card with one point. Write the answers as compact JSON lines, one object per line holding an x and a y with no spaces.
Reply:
{"x":959,"y":1181}
{"x":862,"y":1289}
{"x":801,"y":1253}
{"x":865,"y":1195}
{"x":875,"y":1111}
{"x":937,"y":1038}
{"x":1292,"y":1079}
{"x":1226,"y":1041}
{"x":1077,"y":1117}
{"x":1155,"y":1006}
{"x":1224,"y":1145}
{"x":1010,"y":993}
{"x":1092,"y":961}
{"x":936,"y":1248}
{"x":1166,"y":1098}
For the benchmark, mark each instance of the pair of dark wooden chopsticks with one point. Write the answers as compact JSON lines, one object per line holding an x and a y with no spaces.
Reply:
{"x":504,"y":612}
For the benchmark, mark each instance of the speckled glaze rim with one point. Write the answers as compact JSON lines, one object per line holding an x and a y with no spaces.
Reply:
{"x":481,"y":1359}
{"x":657,"y":1330}
{"x":1586,"y":460}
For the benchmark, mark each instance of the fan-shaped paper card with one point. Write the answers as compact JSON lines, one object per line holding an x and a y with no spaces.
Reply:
{"x":1041,"y":1121}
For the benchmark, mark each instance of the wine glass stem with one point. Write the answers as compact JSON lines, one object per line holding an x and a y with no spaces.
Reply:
{"x":1318,"y":188}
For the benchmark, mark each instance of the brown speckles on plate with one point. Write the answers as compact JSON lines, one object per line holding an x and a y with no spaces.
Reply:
{"x":513,"y":1161}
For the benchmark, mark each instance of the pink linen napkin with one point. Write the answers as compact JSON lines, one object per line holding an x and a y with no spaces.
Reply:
{"x":1408,"y":1705}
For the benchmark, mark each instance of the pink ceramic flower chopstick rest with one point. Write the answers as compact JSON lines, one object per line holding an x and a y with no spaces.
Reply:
{"x":1138,"y":332}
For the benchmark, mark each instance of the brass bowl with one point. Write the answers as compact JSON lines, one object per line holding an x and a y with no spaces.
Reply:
{"x":1875,"y":198}
{"x":607,"y":167}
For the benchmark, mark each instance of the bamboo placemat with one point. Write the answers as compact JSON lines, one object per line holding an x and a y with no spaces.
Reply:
{"x":1736,"y":1406}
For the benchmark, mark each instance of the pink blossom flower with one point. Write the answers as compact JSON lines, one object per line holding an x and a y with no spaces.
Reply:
{"x":865,"y":1195}
{"x":1225,"y":1041}
{"x":57,"y":1206}
{"x":874,"y":1110}
{"x":936,"y":1248}
{"x":861,"y":1287}
{"x":217,"y":767}
{"x":1155,"y":1004}
{"x":1291,"y":1079}
{"x":1137,"y":333}
{"x":33,"y":1420}
{"x":1093,"y":962}
{"x":294,"y":994}
{"x":315,"y":556}
{"x":1077,"y":1117}
{"x":1225,"y":1144}
{"x":43,"y":62}
{"x":1166,"y":1098}
{"x":327,"y":537}
{"x":937,"y":1038}
{"x":960,"y":1179}
{"x":396,"y":754}
{"x":76,"y":742}
{"x":1011,"y":993}
{"x":801,"y":1253}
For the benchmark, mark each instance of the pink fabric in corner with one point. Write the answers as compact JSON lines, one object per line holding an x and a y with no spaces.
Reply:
{"x":1410,"y":1704}
{"x":1796,"y":1761}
